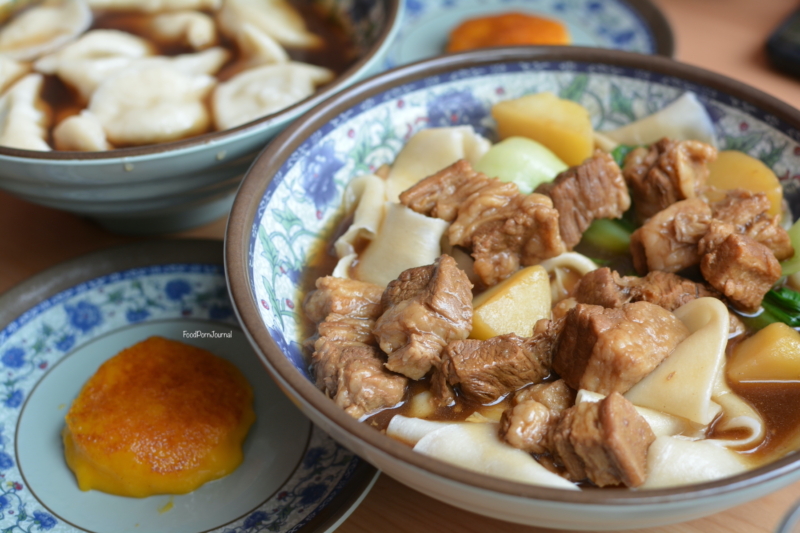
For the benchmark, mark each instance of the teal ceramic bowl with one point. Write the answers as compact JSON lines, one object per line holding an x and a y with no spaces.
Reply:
{"x":290,"y":204}
{"x":174,"y":186}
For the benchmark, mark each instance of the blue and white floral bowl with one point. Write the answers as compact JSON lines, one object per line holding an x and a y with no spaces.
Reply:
{"x":173,"y":186}
{"x":59,"y":326}
{"x":289,"y":204}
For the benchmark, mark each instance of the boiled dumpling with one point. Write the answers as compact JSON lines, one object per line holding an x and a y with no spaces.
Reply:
{"x":23,"y":116}
{"x":11,"y":71}
{"x":264,"y":90}
{"x":44,"y":28}
{"x":81,"y":133}
{"x":276,"y":18}
{"x":152,"y":104}
{"x":154,"y":6}
{"x":206,"y":62}
{"x":259,"y":48}
{"x":187,"y":27}
{"x":96,"y":56}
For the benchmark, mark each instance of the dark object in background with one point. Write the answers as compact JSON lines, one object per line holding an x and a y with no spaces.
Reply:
{"x":783,"y":46}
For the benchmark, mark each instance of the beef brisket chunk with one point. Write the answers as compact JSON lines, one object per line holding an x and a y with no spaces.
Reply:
{"x":428,"y":307}
{"x":502,"y":228}
{"x":605,"y":350}
{"x":595,"y":189}
{"x":529,"y":422}
{"x":605,"y":441}
{"x":667,"y":172}
{"x":347,"y":297}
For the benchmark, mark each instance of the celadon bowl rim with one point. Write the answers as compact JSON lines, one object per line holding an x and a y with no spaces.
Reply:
{"x":324,"y":411}
{"x":190,"y":145}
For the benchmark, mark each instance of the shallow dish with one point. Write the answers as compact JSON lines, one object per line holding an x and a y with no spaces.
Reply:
{"x":174,"y":186}
{"x":630,"y":25}
{"x":55,"y":331}
{"x":289,"y":204}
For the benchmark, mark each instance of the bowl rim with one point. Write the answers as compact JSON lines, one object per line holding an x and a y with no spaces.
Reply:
{"x":246,"y":207}
{"x":345,"y":79}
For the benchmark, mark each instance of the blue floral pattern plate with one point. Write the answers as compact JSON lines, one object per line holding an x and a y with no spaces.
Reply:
{"x":55,"y":331}
{"x":630,"y":25}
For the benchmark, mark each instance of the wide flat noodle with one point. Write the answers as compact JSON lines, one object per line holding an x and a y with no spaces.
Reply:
{"x":406,"y":240}
{"x":559,"y":266}
{"x":411,"y":430}
{"x":276,"y":18}
{"x":23,"y":121}
{"x":367,"y":195}
{"x":44,"y":28}
{"x":477,"y":447}
{"x":736,"y":415}
{"x":684,"y":382}
{"x":431,"y":150}
{"x":674,"y":461}
{"x":684,"y":119}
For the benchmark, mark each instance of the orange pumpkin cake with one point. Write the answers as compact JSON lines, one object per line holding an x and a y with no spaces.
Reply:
{"x":160,"y":417}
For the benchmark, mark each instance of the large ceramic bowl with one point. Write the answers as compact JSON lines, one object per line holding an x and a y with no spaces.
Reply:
{"x":177,"y":185}
{"x":290,"y":202}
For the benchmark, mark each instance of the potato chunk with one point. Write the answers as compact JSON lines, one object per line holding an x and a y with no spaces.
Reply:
{"x":513,"y":305}
{"x":562,"y":126}
{"x":772,"y":354}
{"x":737,"y":170}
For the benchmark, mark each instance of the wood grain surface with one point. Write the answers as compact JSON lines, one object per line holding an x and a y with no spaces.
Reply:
{"x":726,"y":36}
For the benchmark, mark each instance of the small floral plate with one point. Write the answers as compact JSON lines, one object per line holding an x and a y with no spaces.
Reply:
{"x":629,"y":25}
{"x":55,"y":331}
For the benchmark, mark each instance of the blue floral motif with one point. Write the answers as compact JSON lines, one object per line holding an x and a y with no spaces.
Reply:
{"x":312,"y":457}
{"x":254,"y":519}
{"x":219,"y":312}
{"x":13,"y":358}
{"x":320,"y":167}
{"x":313,"y":493}
{"x":454,"y":108}
{"x":291,"y":348}
{"x":414,"y":7}
{"x":4,"y":502}
{"x":84,"y":315}
{"x":44,"y":520}
{"x":177,"y":289}
{"x":14,"y":399}
{"x":136,"y":315}
{"x":65,"y":343}
{"x":623,"y":38}
{"x":6,"y":461}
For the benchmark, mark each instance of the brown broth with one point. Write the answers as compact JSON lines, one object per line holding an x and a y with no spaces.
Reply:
{"x":337,"y":53}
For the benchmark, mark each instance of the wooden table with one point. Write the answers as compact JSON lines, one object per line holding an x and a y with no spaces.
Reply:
{"x":726,"y":36}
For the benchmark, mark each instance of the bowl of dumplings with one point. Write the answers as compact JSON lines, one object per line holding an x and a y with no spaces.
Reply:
{"x":548,"y":285}
{"x":145,"y":115}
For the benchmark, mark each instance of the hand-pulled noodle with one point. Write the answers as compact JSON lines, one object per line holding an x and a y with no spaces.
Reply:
{"x":406,"y":240}
{"x":23,"y":121}
{"x":683,"y":383}
{"x":674,"y":461}
{"x":431,"y":150}
{"x":683,"y":119}
{"x":477,"y":447}
{"x":558,"y":266}
{"x":366,"y":197}
{"x":44,"y":28}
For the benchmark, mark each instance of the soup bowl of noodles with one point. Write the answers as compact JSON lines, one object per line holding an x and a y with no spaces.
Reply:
{"x":145,"y":115}
{"x":552,"y":286}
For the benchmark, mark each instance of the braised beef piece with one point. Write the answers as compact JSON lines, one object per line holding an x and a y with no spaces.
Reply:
{"x":502,"y":228}
{"x":740,"y":268}
{"x":670,"y":291}
{"x":748,"y":214}
{"x":667,"y":172}
{"x":533,"y":415}
{"x":347,"y":366}
{"x":353,"y":375}
{"x":427,"y":307}
{"x":487,"y":370}
{"x":605,"y":441}
{"x":595,"y":189}
{"x":668,"y":240}
{"x":611,"y":349}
